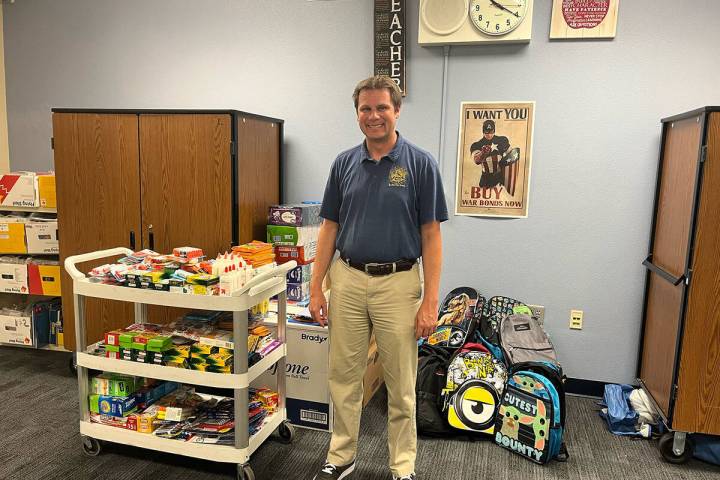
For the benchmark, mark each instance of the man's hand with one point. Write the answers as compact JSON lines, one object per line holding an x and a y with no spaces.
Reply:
{"x":425,"y":319}
{"x":318,"y":306}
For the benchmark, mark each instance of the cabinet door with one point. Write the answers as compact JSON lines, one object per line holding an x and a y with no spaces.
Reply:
{"x":186,"y":180}
{"x":98,"y":191}
{"x":698,"y":404}
{"x":669,"y":257}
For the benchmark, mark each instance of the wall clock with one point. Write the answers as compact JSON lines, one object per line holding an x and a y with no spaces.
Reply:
{"x":446,"y":22}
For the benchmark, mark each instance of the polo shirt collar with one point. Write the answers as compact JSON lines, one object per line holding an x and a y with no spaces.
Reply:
{"x":393,"y":155}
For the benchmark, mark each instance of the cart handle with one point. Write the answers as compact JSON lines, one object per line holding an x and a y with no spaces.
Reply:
{"x":279,"y":271}
{"x":72,"y":260}
{"x":265,"y":285}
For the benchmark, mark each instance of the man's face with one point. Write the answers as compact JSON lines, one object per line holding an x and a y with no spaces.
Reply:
{"x":489,"y":136}
{"x":377,"y":114}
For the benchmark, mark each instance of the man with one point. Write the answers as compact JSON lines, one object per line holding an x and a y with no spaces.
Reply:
{"x":382,"y":209}
{"x":488,"y":152}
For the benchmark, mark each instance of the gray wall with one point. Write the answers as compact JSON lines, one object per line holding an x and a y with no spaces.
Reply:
{"x":596,"y":136}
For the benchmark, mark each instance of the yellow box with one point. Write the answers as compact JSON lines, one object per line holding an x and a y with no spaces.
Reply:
{"x":12,"y":237}
{"x":46,"y":190}
{"x":44,"y":279}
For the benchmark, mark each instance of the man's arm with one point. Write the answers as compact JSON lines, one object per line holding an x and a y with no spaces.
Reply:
{"x":432,"y":263}
{"x":323,"y":257}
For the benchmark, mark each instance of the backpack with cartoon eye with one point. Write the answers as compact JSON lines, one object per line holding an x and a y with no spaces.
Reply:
{"x":531,"y":416}
{"x":474,"y":383}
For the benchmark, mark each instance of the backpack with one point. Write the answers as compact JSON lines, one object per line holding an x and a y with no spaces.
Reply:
{"x":475,"y":380}
{"x":523,"y":339}
{"x":432,"y":368}
{"x":457,"y":318}
{"x":531,"y":417}
{"x":496,"y":309}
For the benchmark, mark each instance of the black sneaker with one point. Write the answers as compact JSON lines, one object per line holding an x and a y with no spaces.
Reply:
{"x":333,"y":472}
{"x":406,"y":477}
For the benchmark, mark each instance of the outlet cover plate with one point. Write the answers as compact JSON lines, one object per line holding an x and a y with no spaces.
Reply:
{"x":576,"y":319}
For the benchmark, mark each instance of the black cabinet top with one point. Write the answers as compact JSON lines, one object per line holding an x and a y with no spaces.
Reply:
{"x":691,"y":113}
{"x":136,"y":111}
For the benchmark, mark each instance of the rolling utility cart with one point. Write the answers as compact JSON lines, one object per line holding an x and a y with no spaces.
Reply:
{"x":261,"y":287}
{"x":680,"y":344}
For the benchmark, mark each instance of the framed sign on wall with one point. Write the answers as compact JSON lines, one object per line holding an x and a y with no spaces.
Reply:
{"x":584,"y":19}
{"x":493,"y":162}
{"x":390,"y":51}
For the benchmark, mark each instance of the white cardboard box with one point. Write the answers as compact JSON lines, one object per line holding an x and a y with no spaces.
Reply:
{"x":308,"y":397}
{"x":42,"y":237}
{"x":19,"y":189}
{"x":13,"y":278}
{"x":16,"y":330}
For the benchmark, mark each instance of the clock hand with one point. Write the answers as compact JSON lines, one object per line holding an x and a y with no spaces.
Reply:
{"x":503,"y":7}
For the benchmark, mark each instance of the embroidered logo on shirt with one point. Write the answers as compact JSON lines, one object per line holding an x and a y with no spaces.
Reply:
{"x":398,"y":177}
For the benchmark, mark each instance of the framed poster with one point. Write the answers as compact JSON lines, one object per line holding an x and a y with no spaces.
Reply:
{"x":493,"y":163}
{"x":390,"y":50}
{"x":584,"y":19}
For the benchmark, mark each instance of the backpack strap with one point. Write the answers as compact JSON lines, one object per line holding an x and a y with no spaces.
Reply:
{"x":563,"y":455}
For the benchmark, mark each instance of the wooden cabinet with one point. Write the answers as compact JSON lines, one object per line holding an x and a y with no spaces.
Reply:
{"x":680,"y":346}
{"x":160,"y":179}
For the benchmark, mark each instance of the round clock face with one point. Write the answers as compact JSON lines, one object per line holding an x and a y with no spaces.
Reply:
{"x":497,"y":17}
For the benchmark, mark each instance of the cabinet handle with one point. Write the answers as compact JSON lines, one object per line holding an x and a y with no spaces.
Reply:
{"x":661,"y":272}
{"x":132,"y":239}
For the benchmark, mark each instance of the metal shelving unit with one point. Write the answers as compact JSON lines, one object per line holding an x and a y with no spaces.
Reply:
{"x":263,"y":286}
{"x":9,"y":208}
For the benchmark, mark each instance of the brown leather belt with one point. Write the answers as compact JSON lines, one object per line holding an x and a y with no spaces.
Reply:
{"x":378,"y":269}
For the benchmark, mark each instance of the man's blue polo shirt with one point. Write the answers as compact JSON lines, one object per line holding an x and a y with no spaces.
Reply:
{"x":380,"y":206}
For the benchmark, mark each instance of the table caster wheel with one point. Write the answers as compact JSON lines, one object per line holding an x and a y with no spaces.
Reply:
{"x":91,"y":446}
{"x":245,"y":472}
{"x":668,"y":452}
{"x":286,"y":432}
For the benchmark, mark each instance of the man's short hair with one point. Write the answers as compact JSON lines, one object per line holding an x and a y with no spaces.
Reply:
{"x":379,"y":82}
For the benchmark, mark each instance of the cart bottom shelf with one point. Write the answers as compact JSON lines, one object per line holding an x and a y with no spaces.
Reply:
{"x":216,"y":453}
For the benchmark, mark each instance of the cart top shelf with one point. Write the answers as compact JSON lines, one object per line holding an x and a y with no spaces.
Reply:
{"x":262,"y":286}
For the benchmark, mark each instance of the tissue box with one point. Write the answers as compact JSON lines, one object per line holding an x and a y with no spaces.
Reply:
{"x":302,"y":255}
{"x":299,"y":215}
{"x":286,"y":235}
{"x":298,"y":292}
{"x":300,"y":274}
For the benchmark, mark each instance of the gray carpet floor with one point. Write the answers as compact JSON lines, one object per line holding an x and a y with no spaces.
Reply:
{"x":39,"y":439}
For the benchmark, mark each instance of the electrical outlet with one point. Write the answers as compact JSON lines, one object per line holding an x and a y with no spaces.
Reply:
{"x":538,"y":311}
{"x":576,"y":319}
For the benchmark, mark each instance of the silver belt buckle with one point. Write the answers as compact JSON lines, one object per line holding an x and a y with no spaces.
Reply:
{"x":370,"y":265}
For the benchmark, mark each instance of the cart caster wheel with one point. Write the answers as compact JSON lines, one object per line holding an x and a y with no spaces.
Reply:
{"x":245,"y":472}
{"x":666,"y":449}
{"x":91,"y":446}
{"x":72,"y":365}
{"x":286,"y":432}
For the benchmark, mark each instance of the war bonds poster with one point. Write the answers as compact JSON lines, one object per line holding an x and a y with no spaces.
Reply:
{"x":494,"y":153}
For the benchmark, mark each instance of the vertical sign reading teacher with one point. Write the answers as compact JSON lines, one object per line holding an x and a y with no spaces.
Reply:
{"x":390,"y":37}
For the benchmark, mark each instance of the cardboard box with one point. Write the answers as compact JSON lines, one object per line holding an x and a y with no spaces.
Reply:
{"x":41,"y":237}
{"x":373,"y":374}
{"x":12,"y":236}
{"x":299,"y":215}
{"x":287,"y":235}
{"x":19,"y":189}
{"x":308,"y":396}
{"x":13,"y":278}
{"x":47,"y":196}
{"x":43,"y":279}
{"x":300,"y":274}
{"x":113,"y":406}
{"x":302,"y":255}
{"x":31,"y":330}
{"x":298,"y":292}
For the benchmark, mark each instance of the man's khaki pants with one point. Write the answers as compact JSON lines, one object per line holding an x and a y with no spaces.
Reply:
{"x":386,"y":305}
